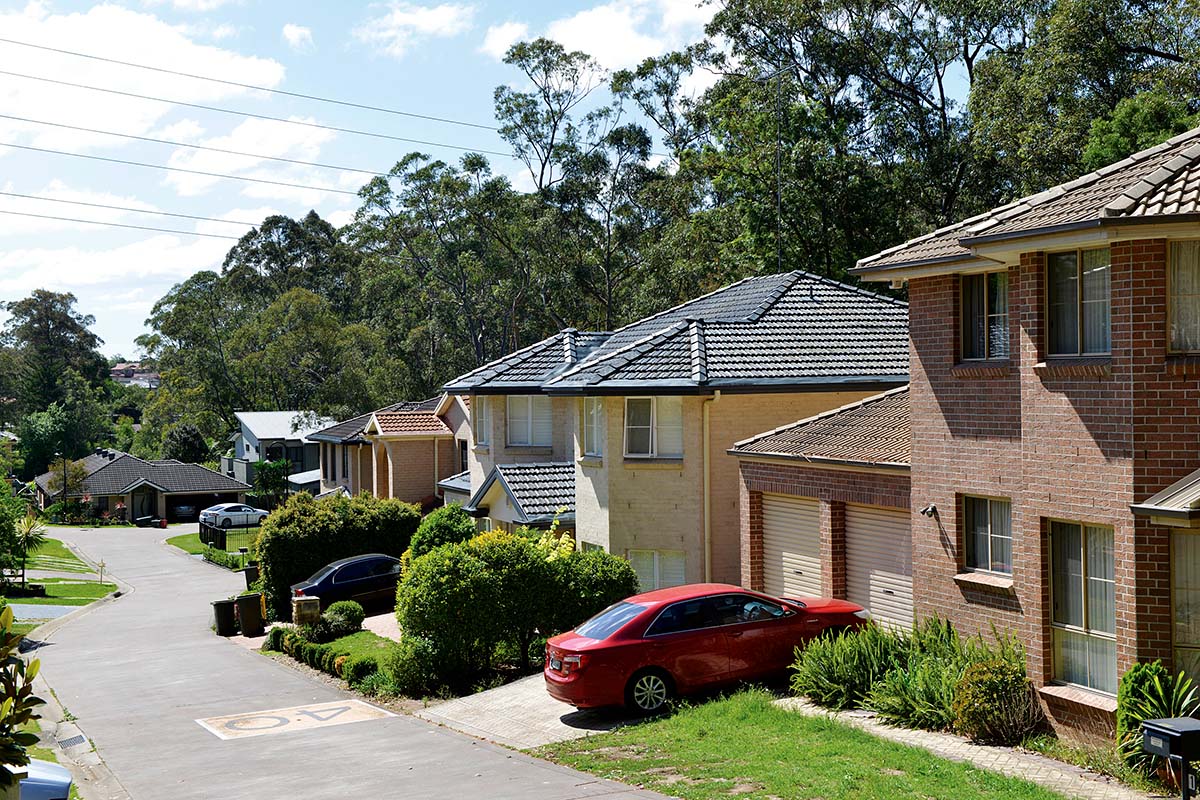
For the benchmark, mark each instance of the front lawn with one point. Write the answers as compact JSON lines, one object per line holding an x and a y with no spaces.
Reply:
{"x":363,"y":643}
{"x":189,"y":543}
{"x":744,"y":746}
{"x":54,"y":555}
{"x":65,"y":592}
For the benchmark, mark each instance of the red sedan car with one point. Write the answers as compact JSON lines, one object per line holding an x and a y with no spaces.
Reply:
{"x":647,"y":648}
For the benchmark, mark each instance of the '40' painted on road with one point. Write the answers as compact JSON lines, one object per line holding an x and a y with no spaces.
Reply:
{"x":287,"y":720}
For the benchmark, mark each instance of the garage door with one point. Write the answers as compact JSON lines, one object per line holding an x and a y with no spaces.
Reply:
{"x":791,"y":546}
{"x":879,"y":563}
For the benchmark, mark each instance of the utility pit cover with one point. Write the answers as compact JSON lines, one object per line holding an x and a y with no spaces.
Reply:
{"x":289,"y":720}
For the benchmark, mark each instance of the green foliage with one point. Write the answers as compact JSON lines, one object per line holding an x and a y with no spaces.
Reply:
{"x":348,"y":612}
{"x":222,"y":558}
{"x":306,"y":534}
{"x":53,"y":340}
{"x":1134,"y":687}
{"x":838,"y":670}
{"x":359,"y":668}
{"x":275,"y":639}
{"x":30,"y":536}
{"x":994,"y":702}
{"x":414,"y":666}
{"x":340,"y":619}
{"x":17,"y":701}
{"x":184,"y":442}
{"x":1153,"y":694}
{"x":445,"y":525}
{"x":378,"y":684}
{"x":270,"y":481}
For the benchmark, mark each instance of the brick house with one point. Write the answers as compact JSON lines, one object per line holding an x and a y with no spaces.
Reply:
{"x":1055,"y":410}
{"x":643,"y":416}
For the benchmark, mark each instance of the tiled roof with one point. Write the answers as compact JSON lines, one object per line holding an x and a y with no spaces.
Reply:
{"x":871,"y":432}
{"x":540,"y":492}
{"x":350,"y":431}
{"x":125,"y":471}
{"x":1160,"y":181}
{"x":529,"y":367}
{"x":397,"y":423}
{"x":271,"y":425}
{"x":90,"y":463}
{"x":457,"y":483}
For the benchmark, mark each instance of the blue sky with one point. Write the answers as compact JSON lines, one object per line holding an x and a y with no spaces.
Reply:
{"x":439,"y":59}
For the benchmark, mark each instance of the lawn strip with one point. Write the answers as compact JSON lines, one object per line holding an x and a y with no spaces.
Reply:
{"x":54,"y":555}
{"x":68,"y":594}
{"x":189,"y":543}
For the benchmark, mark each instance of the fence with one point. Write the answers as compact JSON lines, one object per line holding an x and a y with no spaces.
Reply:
{"x":228,"y":539}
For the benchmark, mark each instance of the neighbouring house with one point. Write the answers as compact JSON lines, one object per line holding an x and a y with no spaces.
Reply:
{"x":403,"y":451}
{"x":127,"y":487}
{"x":272,"y":436}
{"x":826,"y":507}
{"x":1054,"y":409}
{"x":644,"y":415}
{"x":133,"y":373}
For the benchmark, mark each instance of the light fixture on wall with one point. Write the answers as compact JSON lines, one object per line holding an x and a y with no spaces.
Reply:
{"x":929,"y":511}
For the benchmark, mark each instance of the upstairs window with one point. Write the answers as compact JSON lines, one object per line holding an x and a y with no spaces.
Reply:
{"x":593,"y":426}
{"x":654,"y":427}
{"x":1077,"y":303}
{"x":1184,"y":277}
{"x":985,"y":316}
{"x":530,"y":423}
{"x":483,"y":419}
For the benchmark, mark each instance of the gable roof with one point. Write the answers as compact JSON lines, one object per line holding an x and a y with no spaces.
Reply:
{"x":527,"y":368}
{"x":873,"y":432}
{"x":1159,"y":183}
{"x":350,"y":431}
{"x":272,"y":425}
{"x":124,"y":472}
{"x":407,"y":423}
{"x":793,"y":329}
{"x":538,"y":492}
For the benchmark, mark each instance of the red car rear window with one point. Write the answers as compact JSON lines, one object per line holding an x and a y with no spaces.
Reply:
{"x":610,"y":620}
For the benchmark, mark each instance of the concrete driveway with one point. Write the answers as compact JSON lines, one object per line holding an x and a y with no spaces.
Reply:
{"x":138,"y":673}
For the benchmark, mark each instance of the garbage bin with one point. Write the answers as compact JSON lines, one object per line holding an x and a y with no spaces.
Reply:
{"x":249,"y":608}
{"x":224,"y":617}
{"x":251,"y":573}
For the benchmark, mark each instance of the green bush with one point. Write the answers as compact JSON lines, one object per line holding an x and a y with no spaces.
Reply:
{"x":1152,"y":694}
{"x":445,"y":525}
{"x":222,"y":559}
{"x":1133,"y":689}
{"x":994,"y":703}
{"x":414,"y":666}
{"x":275,"y":639}
{"x":837,"y":671}
{"x":586,"y":584}
{"x":356,"y":670}
{"x":526,"y":595}
{"x":378,"y":684}
{"x":349,"y":613}
{"x":305,"y":534}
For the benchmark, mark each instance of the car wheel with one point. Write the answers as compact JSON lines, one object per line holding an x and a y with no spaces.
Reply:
{"x":649,"y":691}
{"x":225,"y":523}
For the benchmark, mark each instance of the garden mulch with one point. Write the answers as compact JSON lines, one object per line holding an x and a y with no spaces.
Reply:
{"x":1056,"y":776}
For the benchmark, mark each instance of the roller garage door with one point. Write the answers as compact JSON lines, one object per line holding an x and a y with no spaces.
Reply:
{"x":791,"y":546}
{"x":879,"y":563}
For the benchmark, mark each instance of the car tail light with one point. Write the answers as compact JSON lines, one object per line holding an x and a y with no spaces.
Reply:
{"x":574,"y":662}
{"x":299,"y":593}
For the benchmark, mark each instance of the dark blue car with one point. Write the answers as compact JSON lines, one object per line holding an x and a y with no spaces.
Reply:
{"x":368,"y":579}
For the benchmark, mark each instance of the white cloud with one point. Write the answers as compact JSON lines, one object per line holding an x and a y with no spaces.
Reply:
{"x":622,"y":33}
{"x":14,"y":225}
{"x":405,"y":24}
{"x":237,"y":218}
{"x":298,"y":37}
{"x":500,"y":37}
{"x":191,"y":5}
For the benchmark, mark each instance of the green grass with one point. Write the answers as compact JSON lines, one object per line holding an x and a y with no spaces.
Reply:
{"x":744,"y":746}
{"x":62,"y":592}
{"x":363,"y":643}
{"x":190,"y":542}
{"x":54,"y":555}
{"x":46,"y":754}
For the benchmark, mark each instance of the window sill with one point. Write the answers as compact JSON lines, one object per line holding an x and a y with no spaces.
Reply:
{"x":1088,"y":367}
{"x":974,"y":370}
{"x":1080,"y":696}
{"x":526,"y":450}
{"x":590,"y":462}
{"x":482,"y":449}
{"x":653,"y":463}
{"x":985,"y":580}
{"x":1183,"y":363}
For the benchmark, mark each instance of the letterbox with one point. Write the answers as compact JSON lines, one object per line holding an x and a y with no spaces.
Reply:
{"x":1178,"y":737}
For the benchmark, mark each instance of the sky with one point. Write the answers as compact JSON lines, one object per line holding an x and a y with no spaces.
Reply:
{"x":435,"y":59}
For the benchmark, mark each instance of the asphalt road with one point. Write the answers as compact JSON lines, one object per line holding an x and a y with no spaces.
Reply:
{"x":138,"y":672}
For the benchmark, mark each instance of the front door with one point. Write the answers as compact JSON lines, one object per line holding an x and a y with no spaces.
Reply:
{"x":1185,"y":600}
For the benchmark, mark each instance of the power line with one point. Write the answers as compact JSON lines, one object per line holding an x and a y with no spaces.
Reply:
{"x":119,"y":225}
{"x":179,"y":169}
{"x":126,"y":208}
{"x":300,"y":95}
{"x":286,"y":121}
{"x":194,"y":146}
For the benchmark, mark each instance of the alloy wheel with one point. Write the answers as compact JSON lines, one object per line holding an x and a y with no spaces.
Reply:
{"x":650,"y":692}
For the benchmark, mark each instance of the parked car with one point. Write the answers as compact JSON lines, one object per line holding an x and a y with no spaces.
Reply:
{"x":367,"y":579}
{"x":46,"y":781}
{"x":184,"y":512}
{"x":646,"y":649}
{"x":232,"y":515}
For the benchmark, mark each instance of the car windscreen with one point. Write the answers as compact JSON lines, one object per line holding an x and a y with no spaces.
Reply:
{"x":610,"y":620}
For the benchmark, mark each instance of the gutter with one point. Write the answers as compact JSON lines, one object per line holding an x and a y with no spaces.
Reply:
{"x":707,"y":467}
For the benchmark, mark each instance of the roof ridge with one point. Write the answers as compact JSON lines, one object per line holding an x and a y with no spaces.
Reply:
{"x":698,"y":350}
{"x":727,"y":287}
{"x":671,"y":330}
{"x":1151,"y":183}
{"x":864,"y":402}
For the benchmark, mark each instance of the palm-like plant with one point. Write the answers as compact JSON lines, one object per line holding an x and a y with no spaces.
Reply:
{"x":31,"y":535}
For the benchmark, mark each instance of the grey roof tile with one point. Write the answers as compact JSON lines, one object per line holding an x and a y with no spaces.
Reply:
{"x":116,"y":476}
{"x":540,"y":492}
{"x":528,"y":367}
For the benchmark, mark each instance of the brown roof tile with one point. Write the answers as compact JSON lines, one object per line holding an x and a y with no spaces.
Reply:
{"x":392,"y":423}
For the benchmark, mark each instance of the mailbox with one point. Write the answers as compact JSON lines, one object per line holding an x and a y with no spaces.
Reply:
{"x":1172,"y":738}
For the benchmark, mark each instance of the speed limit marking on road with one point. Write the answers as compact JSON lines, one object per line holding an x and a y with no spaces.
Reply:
{"x":287,"y":720}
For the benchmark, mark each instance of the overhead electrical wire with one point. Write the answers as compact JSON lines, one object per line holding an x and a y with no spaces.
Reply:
{"x":119,"y":225}
{"x":301,"y":95}
{"x":126,"y":208}
{"x":252,"y":115}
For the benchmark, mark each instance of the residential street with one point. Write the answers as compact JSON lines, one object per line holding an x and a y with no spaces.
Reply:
{"x":138,"y":672}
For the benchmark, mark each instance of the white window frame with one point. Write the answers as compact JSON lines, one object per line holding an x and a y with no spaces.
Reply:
{"x":658,"y":559}
{"x":527,"y":400}
{"x":654,"y":427}
{"x":482,"y":429}
{"x":592,"y":427}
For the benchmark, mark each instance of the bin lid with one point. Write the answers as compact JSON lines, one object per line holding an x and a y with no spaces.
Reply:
{"x":223,"y":602}
{"x":1174,"y":724}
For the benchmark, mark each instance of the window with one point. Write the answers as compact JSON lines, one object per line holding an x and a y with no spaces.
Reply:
{"x":463,"y":462}
{"x":483,"y":419}
{"x":654,"y":427}
{"x":1185,"y":600}
{"x":326,"y":461}
{"x":1077,"y":302}
{"x":588,"y":547}
{"x":593,"y":426}
{"x":529,"y":421}
{"x":1184,"y":279}
{"x":985,"y":316}
{"x":345,"y":462}
{"x":1084,"y":607}
{"x":658,"y":569}
{"x":610,"y":620}
{"x":987,"y":534}
{"x":690,"y":615}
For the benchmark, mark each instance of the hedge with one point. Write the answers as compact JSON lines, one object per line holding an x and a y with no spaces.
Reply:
{"x":305,"y":534}
{"x":323,"y":657}
{"x":445,"y":525}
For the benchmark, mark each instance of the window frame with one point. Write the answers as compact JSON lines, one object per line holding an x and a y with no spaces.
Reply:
{"x":966,"y":535}
{"x":1082,"y":630}
{"x":594,"y":419}
{"x":962,"y":317}
{"x":1079,"y":322}
{"x":529,"y":426}
{"x":1171,"y":349}
{"x":345,"y":461}
{"x":658,"y":573}
{"x":481,"y":427}
{"x":654,"y":449}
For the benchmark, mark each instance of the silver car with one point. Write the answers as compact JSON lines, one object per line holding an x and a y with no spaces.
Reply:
{"x":232,"y":515}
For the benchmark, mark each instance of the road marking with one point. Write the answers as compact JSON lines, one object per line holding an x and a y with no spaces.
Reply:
{"x":286,"y":720}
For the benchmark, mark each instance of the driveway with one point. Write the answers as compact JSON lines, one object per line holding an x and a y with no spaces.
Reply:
{"x":138,"y":673}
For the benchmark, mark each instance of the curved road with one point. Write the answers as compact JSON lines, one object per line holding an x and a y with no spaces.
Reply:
{"x":138,"y":672}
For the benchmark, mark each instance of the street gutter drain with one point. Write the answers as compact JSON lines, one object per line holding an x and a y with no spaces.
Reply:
{"x":66,"y":744}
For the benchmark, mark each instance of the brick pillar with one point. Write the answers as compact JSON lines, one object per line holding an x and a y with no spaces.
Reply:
{"x":752,"y":539}
{"x":833,"y":548}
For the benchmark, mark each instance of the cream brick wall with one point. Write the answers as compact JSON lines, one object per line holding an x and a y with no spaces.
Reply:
{"x":591,"y":481}
{"x":562,"y":448}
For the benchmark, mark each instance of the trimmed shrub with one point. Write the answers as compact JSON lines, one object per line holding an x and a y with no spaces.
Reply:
{"x":445,"y":525}
{"x":356,"y":670}
{"x":586,"y":584}
{"x":838,"y":671}
{"x":339,"y":664}
{"x":1153,"y":694}
{"x":378,"y":684}
{"x":994,"y":703}
{"x":414,"y":666}
{"x":275,"y":639}
{"x":526,"y":592}
{"x":305,"y":534}
{"x":348,"y":613}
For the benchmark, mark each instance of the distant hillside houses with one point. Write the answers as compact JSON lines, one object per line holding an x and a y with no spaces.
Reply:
{"x":133,"y":373}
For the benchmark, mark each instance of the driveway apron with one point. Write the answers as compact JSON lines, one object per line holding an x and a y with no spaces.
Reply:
{"x":138,"y":672}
